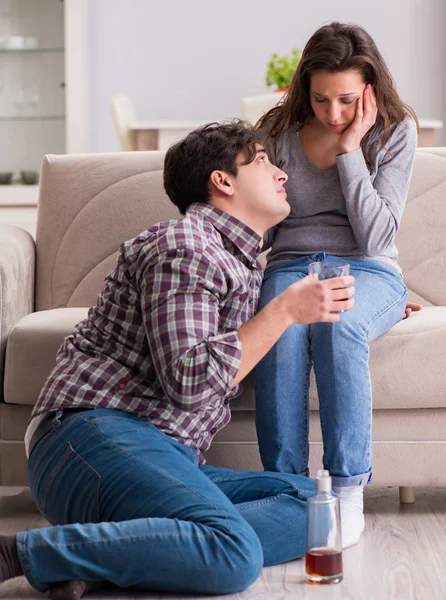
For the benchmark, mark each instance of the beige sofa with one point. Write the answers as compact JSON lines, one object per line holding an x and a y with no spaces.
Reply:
{"x":89,"y":204}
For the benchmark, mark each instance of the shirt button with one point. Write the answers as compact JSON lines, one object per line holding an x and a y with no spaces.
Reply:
{"x":213,"y":430}
{"x":251,"y":300}
{"x":121,"y":386}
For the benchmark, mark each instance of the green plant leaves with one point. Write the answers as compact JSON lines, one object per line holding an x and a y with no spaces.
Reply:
{"x":280,"y":69}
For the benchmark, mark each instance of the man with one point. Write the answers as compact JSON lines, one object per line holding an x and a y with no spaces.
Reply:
{"x":142,"y":385}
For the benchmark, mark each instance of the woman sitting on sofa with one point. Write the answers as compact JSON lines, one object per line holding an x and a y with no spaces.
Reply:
{"x":347,"y":142}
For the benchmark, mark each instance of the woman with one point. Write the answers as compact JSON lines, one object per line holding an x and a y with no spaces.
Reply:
{"x":347,"y":142}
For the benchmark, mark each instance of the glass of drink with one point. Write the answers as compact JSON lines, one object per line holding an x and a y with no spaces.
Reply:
{"x":327,"y":269}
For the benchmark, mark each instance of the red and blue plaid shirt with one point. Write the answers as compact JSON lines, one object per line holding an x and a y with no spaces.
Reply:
{"x":162,"y":341}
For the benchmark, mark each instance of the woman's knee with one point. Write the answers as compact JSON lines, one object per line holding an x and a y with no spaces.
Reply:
{"x":348,"y":329}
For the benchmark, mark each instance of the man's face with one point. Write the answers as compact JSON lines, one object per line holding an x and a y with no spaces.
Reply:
{"x":260,"y":190}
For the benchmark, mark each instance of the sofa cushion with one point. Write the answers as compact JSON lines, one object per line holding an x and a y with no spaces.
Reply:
{"x":421,"y":240}
{"x":407,"y":363}
{"x":31,"y":351}
{"x":88,"y":205}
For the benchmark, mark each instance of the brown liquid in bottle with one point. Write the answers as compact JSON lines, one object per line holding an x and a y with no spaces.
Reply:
{"x":323,"y":563}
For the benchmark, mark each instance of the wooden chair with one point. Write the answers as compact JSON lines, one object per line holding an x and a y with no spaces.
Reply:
{"x":123,"y":113}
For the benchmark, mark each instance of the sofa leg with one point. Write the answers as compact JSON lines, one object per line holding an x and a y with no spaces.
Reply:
{"x":407,"y":495}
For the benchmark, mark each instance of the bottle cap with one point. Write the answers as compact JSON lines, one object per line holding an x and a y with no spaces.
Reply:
{"x":323,"y":481}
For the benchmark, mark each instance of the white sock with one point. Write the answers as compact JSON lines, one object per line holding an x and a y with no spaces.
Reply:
{"x":352,"y":515}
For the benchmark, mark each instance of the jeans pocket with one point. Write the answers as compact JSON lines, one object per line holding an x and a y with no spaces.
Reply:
{"x":69,"y":490}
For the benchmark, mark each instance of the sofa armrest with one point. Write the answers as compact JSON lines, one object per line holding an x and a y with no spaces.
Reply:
{"x":17,"y":265}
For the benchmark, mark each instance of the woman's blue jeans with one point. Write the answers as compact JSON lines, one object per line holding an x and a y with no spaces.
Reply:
{"x":340,"y":355}
{"x":136,"y":509}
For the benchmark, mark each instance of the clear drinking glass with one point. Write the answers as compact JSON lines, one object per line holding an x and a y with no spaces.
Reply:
{"x":327,"y":269}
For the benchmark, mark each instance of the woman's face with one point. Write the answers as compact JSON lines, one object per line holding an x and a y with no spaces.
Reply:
{"x":334,"y":96}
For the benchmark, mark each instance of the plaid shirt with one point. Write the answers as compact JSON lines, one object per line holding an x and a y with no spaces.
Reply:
{"x":162,"y":341}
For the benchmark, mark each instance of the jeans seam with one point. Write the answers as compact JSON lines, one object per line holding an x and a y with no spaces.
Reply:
{"x":383,"y":312}
{"x":22,"y":547}
{"x":259,"y":503}
{"x":306,"y":401}
{"x":75,"y":454}
{"x":131,"y":537}
{"x":369,"y":457}
{"x":51,"y":477}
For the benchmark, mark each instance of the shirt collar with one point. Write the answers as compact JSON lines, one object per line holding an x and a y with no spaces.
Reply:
{"x":242,"y":236}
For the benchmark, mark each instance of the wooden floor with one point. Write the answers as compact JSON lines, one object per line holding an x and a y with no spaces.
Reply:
{"x":402,"y":555}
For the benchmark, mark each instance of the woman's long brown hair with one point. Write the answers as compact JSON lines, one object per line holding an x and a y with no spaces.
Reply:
{"x":335,"y":48}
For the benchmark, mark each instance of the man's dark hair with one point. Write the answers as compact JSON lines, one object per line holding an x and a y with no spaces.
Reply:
{"x":189,"y":163}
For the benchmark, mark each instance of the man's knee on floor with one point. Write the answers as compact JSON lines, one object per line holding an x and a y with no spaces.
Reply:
{"x":243,"y":564}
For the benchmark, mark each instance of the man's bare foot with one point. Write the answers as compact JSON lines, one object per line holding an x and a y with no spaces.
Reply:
{"x":72,"y":590}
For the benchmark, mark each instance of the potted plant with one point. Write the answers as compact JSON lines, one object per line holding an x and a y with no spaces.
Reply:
{"x":281,"y":69}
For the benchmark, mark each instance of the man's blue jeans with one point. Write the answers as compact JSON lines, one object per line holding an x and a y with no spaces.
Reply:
{"x":340,"y":354}
{"x":136,"y":509}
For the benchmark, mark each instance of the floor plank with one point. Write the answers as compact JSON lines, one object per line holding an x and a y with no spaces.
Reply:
{"x":400,"y":557}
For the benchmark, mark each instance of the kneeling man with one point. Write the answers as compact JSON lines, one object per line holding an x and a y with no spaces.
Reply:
{"x":117,"y":438}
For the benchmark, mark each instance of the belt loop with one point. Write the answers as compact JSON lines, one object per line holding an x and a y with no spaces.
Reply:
{"x":56,"y":420}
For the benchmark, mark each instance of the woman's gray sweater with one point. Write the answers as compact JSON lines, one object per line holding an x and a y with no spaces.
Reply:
{"x":347,"y":210}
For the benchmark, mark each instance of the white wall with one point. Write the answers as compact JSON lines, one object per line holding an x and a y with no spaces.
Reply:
{"x":194,"y":60}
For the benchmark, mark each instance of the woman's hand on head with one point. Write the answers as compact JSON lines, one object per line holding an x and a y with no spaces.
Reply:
{"x":365,"y":118}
